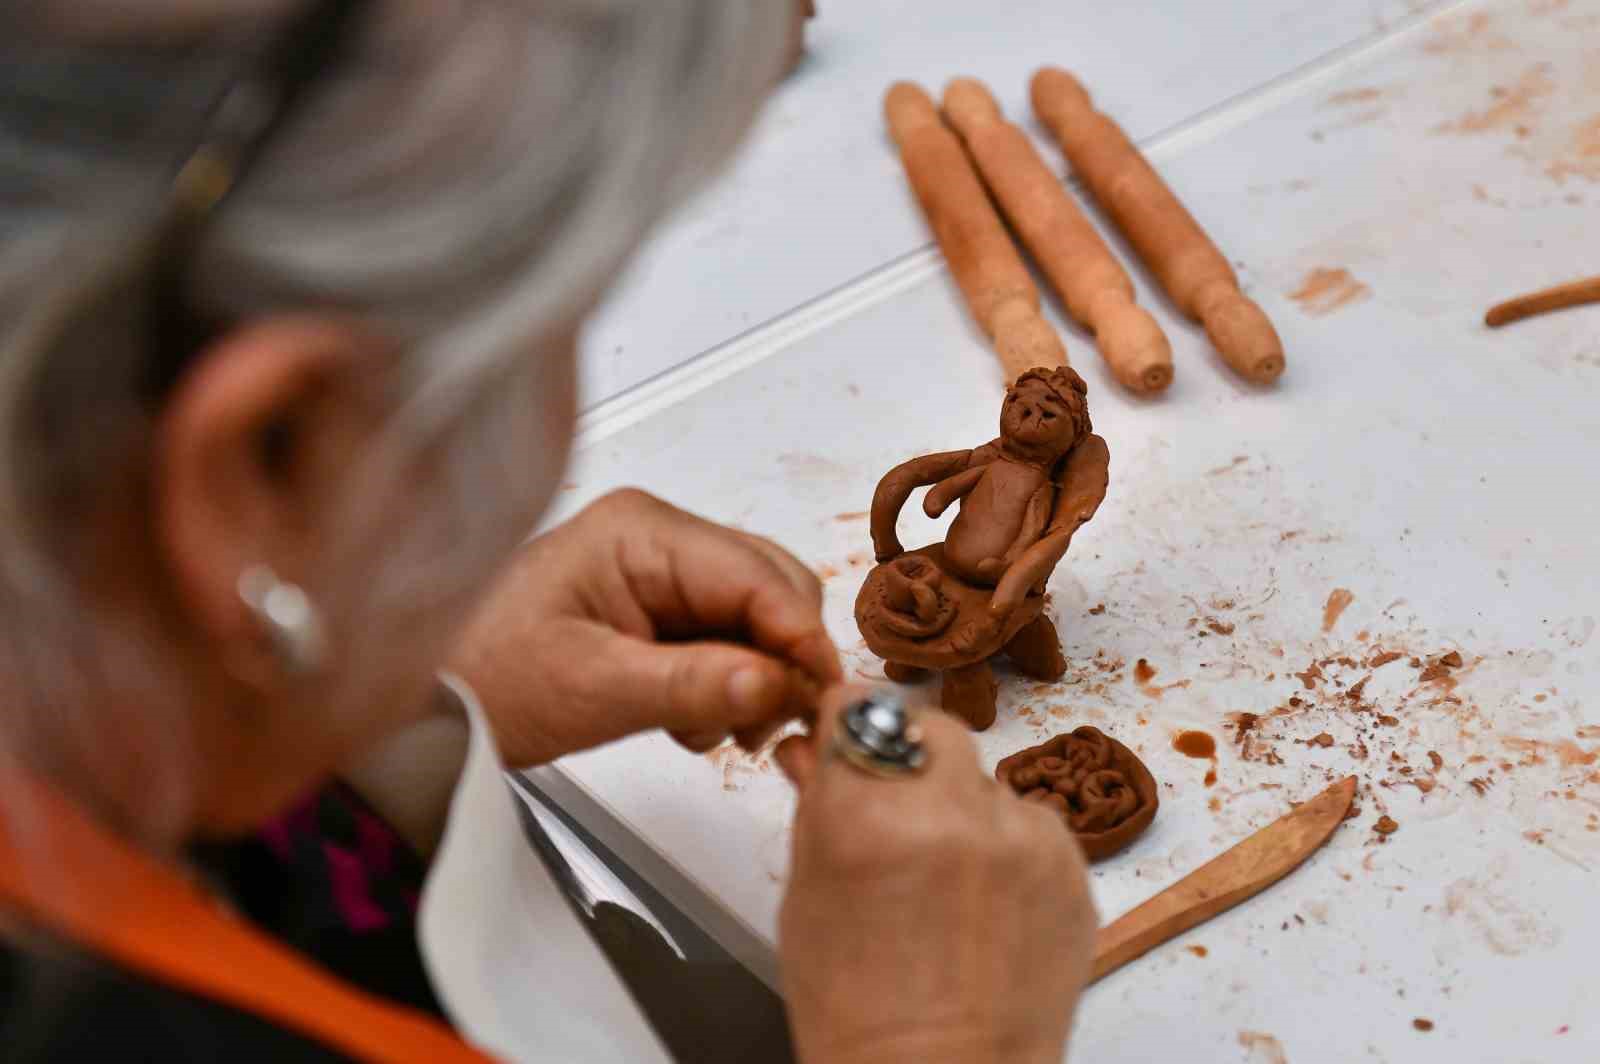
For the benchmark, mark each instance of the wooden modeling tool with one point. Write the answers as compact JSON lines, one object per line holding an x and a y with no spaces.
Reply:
{"x":1095,"y":288}
{"x":1173,"y":245}
{"x":1240,"y":873}
{"x":986,"y":264}
{"x":1543,"y":301}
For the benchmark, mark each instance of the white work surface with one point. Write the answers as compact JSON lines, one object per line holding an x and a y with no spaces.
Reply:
{"x":1442,"y":473}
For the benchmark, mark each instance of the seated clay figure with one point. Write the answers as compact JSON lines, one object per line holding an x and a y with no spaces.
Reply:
{"x":951,"y":606}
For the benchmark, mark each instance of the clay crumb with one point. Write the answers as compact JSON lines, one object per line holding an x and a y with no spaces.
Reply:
{"x":1143,"y":671}
{"x":1339,"y":600}
{"x":1378,"y":661}
{"x":1323,"y":740}
{"x":1422,"y":1024}
{"x":1451,"y":660}
{"x":1219,"y":627}
{"x":1198,"y":951}
{"x":1097,"y":610}
{"x":1386,"y":825}
{"x":1438,"y":762}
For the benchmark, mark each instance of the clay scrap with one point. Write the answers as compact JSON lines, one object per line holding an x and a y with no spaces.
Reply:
{"x":951,"y":606}
{"x":1103,"y":792}
{"x":1574,"y":294}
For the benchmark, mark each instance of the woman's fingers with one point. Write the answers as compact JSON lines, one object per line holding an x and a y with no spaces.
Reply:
{"x":952,"y":757}
{"x":800,"y":577}
{"x":695,"y":578}
{"x":797,"y":757}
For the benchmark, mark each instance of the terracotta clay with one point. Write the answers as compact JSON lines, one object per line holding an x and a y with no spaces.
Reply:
{"x":1091,"y":282}
{"x":986,"y":264}
{"x":951,"y":606}
{"x":1543,"y":301}
{"x":1194,"y":273}
{"x":1103,"y":792}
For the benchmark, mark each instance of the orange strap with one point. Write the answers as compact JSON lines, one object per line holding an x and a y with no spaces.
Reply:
{"x":95,"y":890}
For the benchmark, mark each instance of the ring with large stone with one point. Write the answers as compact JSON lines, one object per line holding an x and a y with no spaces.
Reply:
{"x":879,"y":735}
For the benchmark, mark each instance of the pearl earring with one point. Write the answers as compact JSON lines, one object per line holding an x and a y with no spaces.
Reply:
{"x":289,"y":618}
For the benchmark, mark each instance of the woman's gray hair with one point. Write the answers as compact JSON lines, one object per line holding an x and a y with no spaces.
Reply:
{"x":467,"y":178}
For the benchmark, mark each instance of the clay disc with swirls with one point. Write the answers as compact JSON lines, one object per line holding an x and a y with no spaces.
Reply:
{"x":1102,"y":791}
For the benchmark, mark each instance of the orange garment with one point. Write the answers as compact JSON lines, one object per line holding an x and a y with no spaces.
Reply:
{"x":105,"y":896}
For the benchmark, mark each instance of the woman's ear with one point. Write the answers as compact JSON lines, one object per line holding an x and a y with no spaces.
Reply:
{"x":250,"y":451}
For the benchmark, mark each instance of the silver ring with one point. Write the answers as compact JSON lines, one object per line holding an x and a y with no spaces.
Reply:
{"x":880,"y":736}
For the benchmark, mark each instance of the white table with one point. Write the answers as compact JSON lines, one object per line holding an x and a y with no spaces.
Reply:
{"x":1442,"y":473}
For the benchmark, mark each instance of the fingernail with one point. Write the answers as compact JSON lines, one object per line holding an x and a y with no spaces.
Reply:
{"x":747,"y":689}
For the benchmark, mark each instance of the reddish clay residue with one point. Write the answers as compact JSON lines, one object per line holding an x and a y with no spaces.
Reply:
{"x":1349,"y":96}
{"x":1422,"y":1024}
{"x":1339,"y":600}
{"x":1386,"y":825}
{"x":1102,"y":790}
{"x":1582,"y":157}
{"x":1198,"y":951}
{"x":951,"y":606}
{"x":1512,"y":106}
{"x":851,"y":515}
{"x":1267,"y":1049}
{"x":1198,"y":744}
{"x":1325,"y":290}
{"x":1195,"y":744}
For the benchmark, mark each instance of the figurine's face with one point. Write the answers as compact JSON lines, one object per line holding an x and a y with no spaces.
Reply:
{"x":1037,"y":418}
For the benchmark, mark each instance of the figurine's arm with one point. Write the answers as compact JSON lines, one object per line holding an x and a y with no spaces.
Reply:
{"x":948,"y":490}
{"x":1082,"y":487}
{"x":896,"y":487}
{"x":1034,"y":521}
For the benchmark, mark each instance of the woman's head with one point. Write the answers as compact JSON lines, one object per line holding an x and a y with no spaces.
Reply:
{"x":382,"y":396}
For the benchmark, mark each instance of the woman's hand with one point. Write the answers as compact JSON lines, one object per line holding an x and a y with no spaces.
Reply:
{"x":637,"y":615}
{"x":936,"y":918}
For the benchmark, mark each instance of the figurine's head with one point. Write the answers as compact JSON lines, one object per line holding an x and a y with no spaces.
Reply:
{"x":1046,"y":412}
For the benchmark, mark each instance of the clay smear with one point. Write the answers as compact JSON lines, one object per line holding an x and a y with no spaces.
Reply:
{"x":1514,"y":107}
{"x":1455,"y":35}
{"x":1263,"y":1048}
{"x":1325,"y":290}
{"x":1354,"y":96}
{"x":1582,"y":158}
{"x":1339,"y":600}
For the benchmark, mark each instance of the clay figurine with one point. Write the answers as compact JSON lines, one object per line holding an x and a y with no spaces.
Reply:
{"x":1103,"y":792}
{"x":951,"y":606}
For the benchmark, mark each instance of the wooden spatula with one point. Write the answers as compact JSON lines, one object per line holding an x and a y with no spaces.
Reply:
{"x":1242,"y":872}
